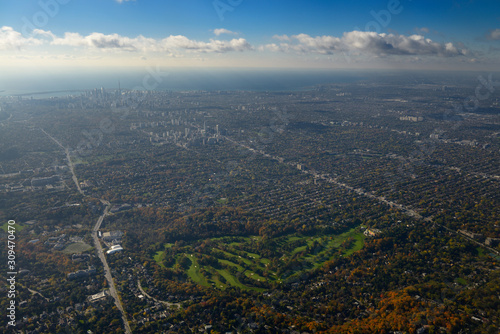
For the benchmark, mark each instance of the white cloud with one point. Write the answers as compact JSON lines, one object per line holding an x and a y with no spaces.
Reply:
{"x":11,"y":39}
{"x":221,"y":31}
{"x":320,"y":44}
{"x":365,"y":42}
{"x":354,"y":43}
{"x":494,"y":35}
{"x":271,"y":47}
{"x":43,"y":33}
{"x":182,"y":42}
{"x":101,"y":41}
{"x":122,"y":1}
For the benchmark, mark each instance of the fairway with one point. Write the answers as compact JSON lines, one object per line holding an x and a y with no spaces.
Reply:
{"x":237,"y":262}
{"x":17,"y":227}
{"x":158,"y":258}
{"x":194,"y":271}
{"x":231,"y":279}
{"x":77,"y":247}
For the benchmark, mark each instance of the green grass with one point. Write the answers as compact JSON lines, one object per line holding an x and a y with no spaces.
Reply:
{"x":339,"y":239}
{"x":309,"y":242}
{"x":214,"y":279}
{"x":238,"y":267}
{"x":300,"y":248}
{"x":76,"y":247}
{"x":255,"y":276}
{"x":226,"y":253}
{"x":158,"y":257}
{"x":325,"y":252}
{"x":231,"y":279}
{"x":258,"y":258}
{"x":358,"y":243}
{"x":242,"y":262}
{"x":327,"y":245}
{"x":252,"y":255}
{"x":234,"y":281}
{"x":236,"y":243}
{"x":247,"y":261}
{"x":461,"y":281}
{"x":5,"y":227}
{"x":194,"y":272}
{"x":237,"y":257}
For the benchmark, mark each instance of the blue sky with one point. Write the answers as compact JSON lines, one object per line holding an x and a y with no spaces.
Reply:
{"x":460,"y":34}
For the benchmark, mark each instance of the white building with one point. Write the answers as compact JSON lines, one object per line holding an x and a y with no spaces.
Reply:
{"x":113,"y":235}
{"x":98,"y":296}
{"x":114,"y":249}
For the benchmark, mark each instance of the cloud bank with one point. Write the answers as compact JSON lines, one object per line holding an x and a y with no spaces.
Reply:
{"x":366,"y":42}
{"x":11,"y":39}
{"x":354,"y":42}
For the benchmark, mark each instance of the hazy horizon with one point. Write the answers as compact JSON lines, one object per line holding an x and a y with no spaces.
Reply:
{"x":421,"y":35}
{"x":211,"y":79}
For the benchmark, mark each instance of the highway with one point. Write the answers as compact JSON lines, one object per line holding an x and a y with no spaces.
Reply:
{"x":97,"y":242}
{"x":107,"y":271}
{"x":70,"y":163}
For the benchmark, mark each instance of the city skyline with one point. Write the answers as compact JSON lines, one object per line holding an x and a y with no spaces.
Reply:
{"x":453,"y":35}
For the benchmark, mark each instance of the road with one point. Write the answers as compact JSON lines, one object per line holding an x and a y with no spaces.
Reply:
{"x":470,"y":239}
{"x":72,"y":169}
{"x":107,"y":271}
{"x":70,"y":163}
{"x":156,"y":300}
{"x":408,"y":211}
{"x":328,"y":178}
{"x":38,"y":293}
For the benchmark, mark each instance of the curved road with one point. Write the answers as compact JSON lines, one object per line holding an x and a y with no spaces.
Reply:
{"x":153,"y":298}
